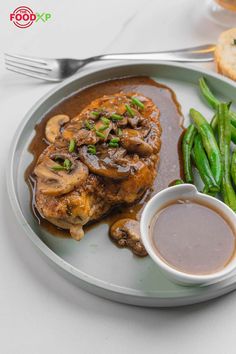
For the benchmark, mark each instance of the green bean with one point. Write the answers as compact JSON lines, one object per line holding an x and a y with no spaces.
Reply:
{"x":187,"y":145}
{"x":212,"y":100}
{"x":233,"y":134}
{"x":193,"y":157}
{"x":205,"y":191}
{"x":224,"y":133}
{"x":203,"y":166}
{"x":224,"y":192}
{"x":177,"y":182}
{"x":209,"y":143}
{"x":214,"y":122}
{"x":233,"y":129}
{"x":232,"y":116}
{"x":233,"y":167}
{"x":206,"y":188}
{"x":207,"y":94}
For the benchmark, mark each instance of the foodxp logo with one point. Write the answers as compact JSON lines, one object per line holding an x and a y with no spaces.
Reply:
{"x":24,"y":17}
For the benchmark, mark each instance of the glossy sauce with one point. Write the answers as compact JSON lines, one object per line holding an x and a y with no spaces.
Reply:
{"x":170,"y":166}
{"x":192,"y":237}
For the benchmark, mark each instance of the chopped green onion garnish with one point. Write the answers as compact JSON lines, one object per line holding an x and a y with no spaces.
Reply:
{"x":101,"y":135}
{"x":92,"y":149}
{"x":105,"y":120}
{"x":119,"y":132}
{"x":92,"y":152}
{"x":102,"y":128}
{"x":116,"y":117}
{"x":114,"y":140}
{"x":95,"y":113}
{"x":88,"y":125}
{"x":129,"y":110}
{"x":57,"y":168}
{"x":67,"y":164}
{"x":113,"y":144}
{"x":72,"y":145}
{"x":136,"y":102}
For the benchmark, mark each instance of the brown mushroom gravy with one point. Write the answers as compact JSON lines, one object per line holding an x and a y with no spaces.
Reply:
{"x":192,"y":237}
{"x":170,"y":166}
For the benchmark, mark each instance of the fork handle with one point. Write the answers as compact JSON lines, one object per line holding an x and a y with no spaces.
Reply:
{"x":195,"y":54}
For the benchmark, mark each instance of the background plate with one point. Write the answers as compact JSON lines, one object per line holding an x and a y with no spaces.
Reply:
{"x":94,"y":262}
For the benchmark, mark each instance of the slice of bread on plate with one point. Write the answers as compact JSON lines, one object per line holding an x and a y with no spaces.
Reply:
{"x":225,"y":54}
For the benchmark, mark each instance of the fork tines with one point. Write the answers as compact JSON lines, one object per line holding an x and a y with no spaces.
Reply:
{"x":34,"y":67}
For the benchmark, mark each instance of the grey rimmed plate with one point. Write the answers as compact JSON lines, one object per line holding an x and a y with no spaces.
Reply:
{"x":95,"y":263}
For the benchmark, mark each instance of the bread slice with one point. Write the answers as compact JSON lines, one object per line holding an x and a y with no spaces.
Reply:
{"x":225,"y":54}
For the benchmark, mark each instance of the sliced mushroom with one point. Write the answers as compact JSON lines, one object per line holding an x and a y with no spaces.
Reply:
{"x":76,"y":130}
{"x":53,"y":126}
{"x":153,"y":137}
{"x":58,"y":182}
{"x":64,"y":155}
{"x":105,"y":163}
{"x":132,"y":142}
{"x":126,"y":233}
{"x":134,"y":121}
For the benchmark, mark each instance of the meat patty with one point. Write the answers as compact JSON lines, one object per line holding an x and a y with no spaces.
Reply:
{"x":104,"y":157}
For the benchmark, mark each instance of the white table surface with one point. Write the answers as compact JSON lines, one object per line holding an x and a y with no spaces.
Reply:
{"x":41,"y":312}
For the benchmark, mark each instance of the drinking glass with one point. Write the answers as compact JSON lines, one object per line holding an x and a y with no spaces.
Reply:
{"x":222,"y":12}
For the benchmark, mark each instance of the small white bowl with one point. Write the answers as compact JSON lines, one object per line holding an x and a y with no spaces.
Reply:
{"x":156,"y":204}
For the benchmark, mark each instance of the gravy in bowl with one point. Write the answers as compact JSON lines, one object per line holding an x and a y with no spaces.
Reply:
{"x":192,"y":237}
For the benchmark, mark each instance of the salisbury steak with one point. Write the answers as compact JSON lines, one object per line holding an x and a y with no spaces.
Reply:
{"x":105,"y":156}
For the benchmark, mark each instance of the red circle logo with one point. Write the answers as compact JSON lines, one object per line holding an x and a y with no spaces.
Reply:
{"x":23,"y":17}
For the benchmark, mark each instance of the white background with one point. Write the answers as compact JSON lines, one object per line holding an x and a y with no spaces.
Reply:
{"x":41,"y":312}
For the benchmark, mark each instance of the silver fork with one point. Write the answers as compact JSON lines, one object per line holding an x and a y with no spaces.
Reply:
{"x":59,"y":69}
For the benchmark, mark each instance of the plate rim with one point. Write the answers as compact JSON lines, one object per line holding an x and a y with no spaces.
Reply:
{"x":104,"y":288}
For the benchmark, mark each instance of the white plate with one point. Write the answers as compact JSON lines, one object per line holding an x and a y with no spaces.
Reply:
{"x":94,"y":262}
